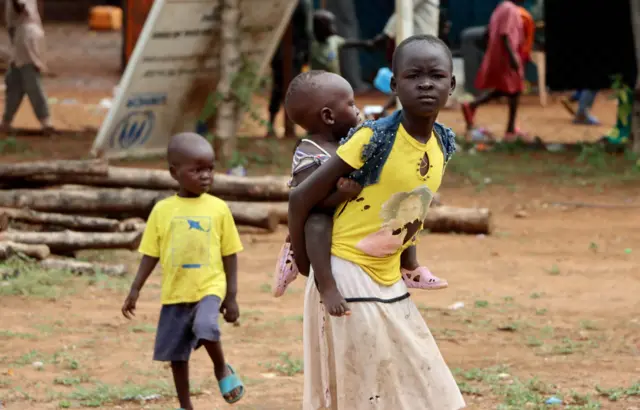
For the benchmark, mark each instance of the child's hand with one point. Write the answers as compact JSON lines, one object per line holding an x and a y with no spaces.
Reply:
{"x":349,"y":187}
{"x":230,"y":310}
{"x":129,"y":305}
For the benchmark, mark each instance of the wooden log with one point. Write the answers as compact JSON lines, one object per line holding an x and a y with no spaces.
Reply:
{"x":84,"y":268}
{"x":132,"y":225}
{"x":262,"y":188}
{"x":8,"y":249}
{"x":280,"y":209}
{"x":254,"y":214}
{"x":48,"y":168}
{"x":68,"y":241}
{"x":73,"y":222}
{"x":444,"y":219}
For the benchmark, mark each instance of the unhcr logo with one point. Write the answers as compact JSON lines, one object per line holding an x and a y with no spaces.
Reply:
{"x":134,"y":129}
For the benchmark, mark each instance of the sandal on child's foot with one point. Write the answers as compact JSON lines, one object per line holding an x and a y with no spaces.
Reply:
{"x":422,"y":278}
{"x":286,"y":270}
{"x":229,"y":384}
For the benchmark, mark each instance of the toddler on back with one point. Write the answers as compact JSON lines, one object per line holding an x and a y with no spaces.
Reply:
{"x":323,"y":104}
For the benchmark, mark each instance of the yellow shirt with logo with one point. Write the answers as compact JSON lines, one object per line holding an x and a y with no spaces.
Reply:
{"x":373,"y":229}
{"x":191,"y":236}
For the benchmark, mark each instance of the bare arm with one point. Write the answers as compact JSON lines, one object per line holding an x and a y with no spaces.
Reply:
{"x":512,"y":55}
{"x":308,"y":195}
{"x":329,"y":203}
{"x":229,"y":307}
{"x":147,"y":264}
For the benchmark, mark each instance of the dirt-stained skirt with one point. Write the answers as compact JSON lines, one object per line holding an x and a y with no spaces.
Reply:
{"x":383,"y":356}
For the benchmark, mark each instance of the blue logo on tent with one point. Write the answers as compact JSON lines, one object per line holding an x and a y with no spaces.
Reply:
{"x":134,"y":129}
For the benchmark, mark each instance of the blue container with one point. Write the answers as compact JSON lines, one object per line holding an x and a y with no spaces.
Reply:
{"x":383,"y":80}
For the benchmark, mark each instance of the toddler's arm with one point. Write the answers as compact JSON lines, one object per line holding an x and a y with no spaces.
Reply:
{"x":147,"y":264}
{"x":346,"y":189}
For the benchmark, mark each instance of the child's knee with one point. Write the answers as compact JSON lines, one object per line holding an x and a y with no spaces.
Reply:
{"x":318,"y":224}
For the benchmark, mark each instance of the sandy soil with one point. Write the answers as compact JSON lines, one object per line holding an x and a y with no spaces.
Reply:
{"x":550,"y":298}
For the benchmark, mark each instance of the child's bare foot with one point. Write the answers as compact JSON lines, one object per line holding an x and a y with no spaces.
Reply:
{"x":334,"y":303}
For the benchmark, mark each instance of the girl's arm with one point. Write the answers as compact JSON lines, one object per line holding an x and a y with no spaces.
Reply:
{"x":308,"y":195}
{"x":512,"y":55}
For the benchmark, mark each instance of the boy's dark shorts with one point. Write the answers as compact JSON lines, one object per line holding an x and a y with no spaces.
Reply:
{"x":183,"y":326}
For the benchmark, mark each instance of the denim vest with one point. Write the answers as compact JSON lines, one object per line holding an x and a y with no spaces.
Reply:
{"x":375,"y":153}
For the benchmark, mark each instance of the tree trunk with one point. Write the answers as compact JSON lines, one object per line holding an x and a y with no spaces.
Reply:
{"x":29,"y":169}
{"x":635,"y":117}
{"x":263,"y":188}
{"x":74,"y":222}
{"x":8,"y":249}
{"x":84,"y":268}
{"x":444,"y":219}
{"x":69,"y":241}
{"x":135,"y":201}
{"x":230,"y":64}
{"x":254,"y":214}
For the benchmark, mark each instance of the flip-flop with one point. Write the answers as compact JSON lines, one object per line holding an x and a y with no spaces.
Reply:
{"x":230,"y":383}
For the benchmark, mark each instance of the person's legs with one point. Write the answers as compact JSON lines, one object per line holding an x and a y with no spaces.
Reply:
{"x":277,"y":92}
{"x":32,"y":84}
{"x":317,"y":231}
{"x":173,"y":344}
{"x":180,"y":372}
{"x":469,"y":109}
{"x":472,"y":49}
{"x":585,"y":102}
{"x":14,"y":92}
{"x":513,"y":99}
{"x":207,"y":333}
{"x":348,"y":27}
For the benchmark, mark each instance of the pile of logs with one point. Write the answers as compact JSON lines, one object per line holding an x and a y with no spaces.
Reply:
{"x":60,"y":207}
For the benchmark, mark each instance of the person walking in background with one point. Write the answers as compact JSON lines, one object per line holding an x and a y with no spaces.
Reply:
{"x":502,"y":70}
{"x":348,"y":27}
{"x":326,"y":45}
{"x":27,"y":64}
{"x":585,"y":99}
{"x":301,"y":43}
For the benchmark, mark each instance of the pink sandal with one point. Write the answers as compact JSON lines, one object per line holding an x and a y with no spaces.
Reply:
{"x":286,"y":270}
{"x":422,"y":278}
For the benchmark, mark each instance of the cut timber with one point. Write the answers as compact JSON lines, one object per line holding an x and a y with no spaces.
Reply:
{"x":137,"y":202}
{"x":29,"y":169}
{"x":263,"y":188}
{"x":68,"y":241}
{"x":280,"y":209}
{"x":74,"y":222}
{"x":444,"y":219}
{"x":132,"y":225}
{"x":84,"y":268}
{"x":254,"y":214}
{"x":134,"y":201}
{"x":8,"y":248}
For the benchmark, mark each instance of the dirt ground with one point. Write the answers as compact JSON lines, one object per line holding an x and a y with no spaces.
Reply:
{"x":550,"y":298}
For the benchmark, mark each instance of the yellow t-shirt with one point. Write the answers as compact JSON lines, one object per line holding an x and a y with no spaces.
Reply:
{"x":373,"y":229}
{"x":190,"y":236}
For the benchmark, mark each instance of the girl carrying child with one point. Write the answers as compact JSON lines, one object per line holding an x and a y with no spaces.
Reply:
{"x":323,"y":104}
{"x":383,"y":355}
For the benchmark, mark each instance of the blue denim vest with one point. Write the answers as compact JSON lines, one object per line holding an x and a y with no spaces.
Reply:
{"x":375,"y":153}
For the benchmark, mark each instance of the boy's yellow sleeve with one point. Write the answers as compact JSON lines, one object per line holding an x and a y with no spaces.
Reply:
{"x":351,"y":151}
{"x":229,"y":238}
{"x":150,"y":243}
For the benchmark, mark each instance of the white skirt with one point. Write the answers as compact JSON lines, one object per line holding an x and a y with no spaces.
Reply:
{"x":383,"y":356}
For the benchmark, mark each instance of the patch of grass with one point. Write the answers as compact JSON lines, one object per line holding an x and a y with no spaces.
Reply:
{"x":71,"y":380}
{"x":8,"y":334}
{"x":265,"y":288}
{"x":481,"y":303}
{"x":617,"y":393}
{"x":29,"y":358}
{"x":143,"y":328}
{"x":554,"y":270}
{"x":533,"y":341}
{"x":286,"y":365}
{"x":536,"y":295}
{"x":11,"y":145}
{"x":541,"y":312}
{"x":588,"y":325}
{"x":34,"y":282}
{"x":102,"y":394}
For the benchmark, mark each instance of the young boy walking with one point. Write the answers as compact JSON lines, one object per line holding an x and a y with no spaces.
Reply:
{"x":27,"y":65}
{"x":194,"y":237}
